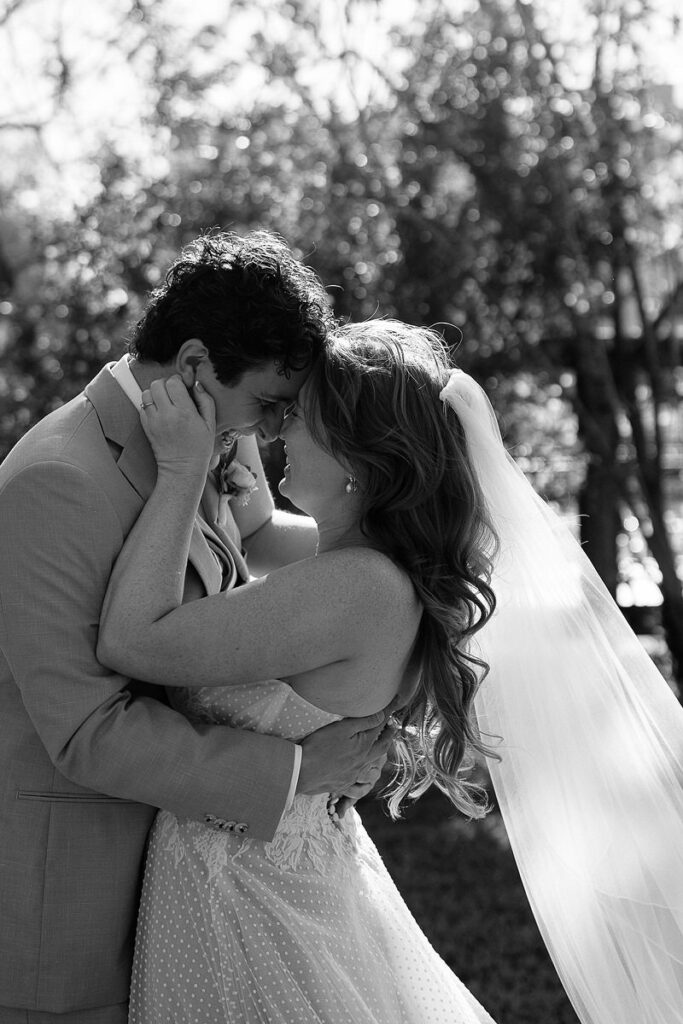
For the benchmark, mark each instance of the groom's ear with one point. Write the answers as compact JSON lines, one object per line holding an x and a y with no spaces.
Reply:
{"x":191,"y":354}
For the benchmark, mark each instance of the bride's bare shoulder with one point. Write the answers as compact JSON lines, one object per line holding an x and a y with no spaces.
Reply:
{"x":373,"y":579}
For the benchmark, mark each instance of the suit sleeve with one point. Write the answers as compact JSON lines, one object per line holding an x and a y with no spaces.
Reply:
{"x":59,"y":536}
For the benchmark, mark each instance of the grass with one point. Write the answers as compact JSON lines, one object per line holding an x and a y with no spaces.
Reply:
{"x":460,"y":881}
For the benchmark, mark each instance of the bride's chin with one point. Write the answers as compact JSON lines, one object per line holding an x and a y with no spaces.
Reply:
{"x":283,"y":485}
{"x":284,"y":488}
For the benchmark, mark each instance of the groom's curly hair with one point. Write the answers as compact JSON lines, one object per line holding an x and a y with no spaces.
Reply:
{"x":374,"y":405}
{"x":246,"y":297}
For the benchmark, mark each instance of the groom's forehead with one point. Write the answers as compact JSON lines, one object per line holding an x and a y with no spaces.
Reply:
{"x":288,"y":391}
{"x":275,"y":386}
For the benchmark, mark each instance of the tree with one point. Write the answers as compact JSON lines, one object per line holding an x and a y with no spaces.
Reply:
{"x":561,"y":221}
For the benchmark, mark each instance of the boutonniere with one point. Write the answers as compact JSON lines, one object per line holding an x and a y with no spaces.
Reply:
{"x":235,"y":483}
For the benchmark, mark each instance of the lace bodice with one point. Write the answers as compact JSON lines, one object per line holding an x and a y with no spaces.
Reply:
{"x":306,"y":835}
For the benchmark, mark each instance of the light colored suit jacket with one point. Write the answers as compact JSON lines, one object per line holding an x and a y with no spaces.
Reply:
{"x":85,"y":754}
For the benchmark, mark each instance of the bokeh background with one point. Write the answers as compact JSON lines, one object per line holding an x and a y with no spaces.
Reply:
{"x":510,"y":170}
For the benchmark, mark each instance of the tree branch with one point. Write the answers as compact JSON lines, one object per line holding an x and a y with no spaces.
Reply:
{"x":11,"y":8}
{"x":668,"y":305}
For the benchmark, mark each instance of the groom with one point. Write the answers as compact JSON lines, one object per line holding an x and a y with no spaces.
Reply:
{"x":87,"y":755}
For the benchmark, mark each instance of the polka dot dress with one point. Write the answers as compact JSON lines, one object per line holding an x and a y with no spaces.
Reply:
{"x":306,"y":929}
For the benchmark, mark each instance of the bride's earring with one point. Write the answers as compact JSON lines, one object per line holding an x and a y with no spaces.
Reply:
{"x":351,"y":485}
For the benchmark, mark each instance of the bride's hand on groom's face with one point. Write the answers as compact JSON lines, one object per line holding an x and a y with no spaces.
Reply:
{"x":180,"y":427}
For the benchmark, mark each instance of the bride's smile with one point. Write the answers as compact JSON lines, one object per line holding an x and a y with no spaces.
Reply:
{"x":311,"y":473}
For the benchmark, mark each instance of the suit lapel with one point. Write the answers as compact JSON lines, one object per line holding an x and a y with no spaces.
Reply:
{"x":121,"y":425}
{"x":226,"y":537}
{"x":205,"y":562}
{"x":226,"y":550}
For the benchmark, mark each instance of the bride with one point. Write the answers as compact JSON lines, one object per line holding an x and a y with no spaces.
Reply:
{"x":309,"y":927}
{"x":422,"y":519}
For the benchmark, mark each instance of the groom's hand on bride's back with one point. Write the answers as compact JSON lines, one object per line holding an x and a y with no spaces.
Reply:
{"x":345,"y":757}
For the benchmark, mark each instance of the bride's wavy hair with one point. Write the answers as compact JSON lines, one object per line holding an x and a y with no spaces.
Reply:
{"x":375,"y":406}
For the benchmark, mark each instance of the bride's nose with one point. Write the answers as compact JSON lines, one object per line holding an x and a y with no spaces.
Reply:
{"x":285,"y":424}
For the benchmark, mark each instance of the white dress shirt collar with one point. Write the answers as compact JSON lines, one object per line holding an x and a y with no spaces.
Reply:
{"x":123,"y":374}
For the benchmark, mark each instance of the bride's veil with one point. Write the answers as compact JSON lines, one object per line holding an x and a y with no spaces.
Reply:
{"x":590,"y":781}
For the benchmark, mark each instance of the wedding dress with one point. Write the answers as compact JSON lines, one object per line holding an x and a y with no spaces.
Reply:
{"x":306,"y":929}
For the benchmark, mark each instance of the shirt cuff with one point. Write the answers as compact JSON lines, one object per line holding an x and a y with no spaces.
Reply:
{"x":298,"y":754}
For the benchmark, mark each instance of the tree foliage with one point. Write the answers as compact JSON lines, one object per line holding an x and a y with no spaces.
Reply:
{"x":474,"y":180}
